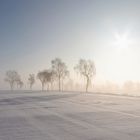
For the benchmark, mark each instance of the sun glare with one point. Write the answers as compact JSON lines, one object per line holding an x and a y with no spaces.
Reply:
{"x":122,"y":41}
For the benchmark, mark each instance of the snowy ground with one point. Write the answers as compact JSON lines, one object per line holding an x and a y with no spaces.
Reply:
{"x":68,"y":116}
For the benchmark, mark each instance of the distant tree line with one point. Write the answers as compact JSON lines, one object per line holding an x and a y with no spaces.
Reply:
{"x":57,"y":73}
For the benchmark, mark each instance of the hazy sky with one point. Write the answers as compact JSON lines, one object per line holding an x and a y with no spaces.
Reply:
{"x":33,"y":32}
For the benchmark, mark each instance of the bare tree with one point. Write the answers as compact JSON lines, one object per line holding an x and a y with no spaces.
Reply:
{"x":53,"y":78}
{"x":45,"y":77}
{"x":41,"y":77}
{"x":48,"y":75}
{"x":87,"y":69}
{"x":60,"y":70}
{"x":50,"y":78}
{"x":31,"y":80}
{"x":11,"y":78}
{"x":19,"y":83}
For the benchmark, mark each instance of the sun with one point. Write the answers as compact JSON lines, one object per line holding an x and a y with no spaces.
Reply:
{"x":122,"y":41}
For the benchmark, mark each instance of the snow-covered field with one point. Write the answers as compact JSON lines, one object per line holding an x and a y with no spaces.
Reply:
{"x":68,"y":116}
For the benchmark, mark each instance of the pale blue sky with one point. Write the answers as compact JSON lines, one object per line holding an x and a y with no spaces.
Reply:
{"x":33,"y":32}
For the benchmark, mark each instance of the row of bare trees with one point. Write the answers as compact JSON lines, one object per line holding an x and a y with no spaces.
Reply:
{"x":58,"y":72}
{"x":13,"y":78}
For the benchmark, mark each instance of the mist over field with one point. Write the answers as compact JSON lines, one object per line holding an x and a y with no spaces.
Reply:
{"x":33,"y":33}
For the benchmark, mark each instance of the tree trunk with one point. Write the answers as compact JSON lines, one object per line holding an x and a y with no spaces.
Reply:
{"x":30,"y":87}
{"x":59,"y":84}
{"x":48,"y":87}
{"x":11,"y":86}
{"x":51,"y":85}
{"x":42,"y":86}
{"x":87,"y":84}
{"x":62,"y":85}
